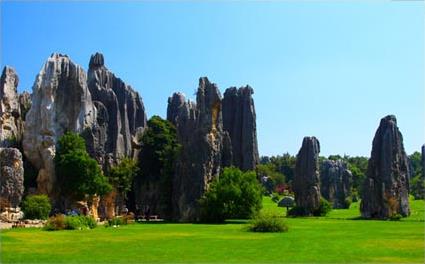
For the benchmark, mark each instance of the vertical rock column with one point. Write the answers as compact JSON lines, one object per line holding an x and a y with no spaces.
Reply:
{"x":61,"y":102}
{"x":335,"y":182}
{"x":11,"y":124}
{"x":205,"y":146}
{"x":239,"y":120}
{"x":385,"y":189}
{"x":306,"y":180}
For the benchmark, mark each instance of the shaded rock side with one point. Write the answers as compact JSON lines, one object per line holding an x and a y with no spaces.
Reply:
{"x":306,"y":180}
{"x":205,"y":146}
{"x":121,"y":115}
{"x":11,"y":176}
{"x":11,"y":124}
{"x":335,"y":183}
{"x":61,"y":102}
{"x":385,"y":189}
{"x":239,"y":120}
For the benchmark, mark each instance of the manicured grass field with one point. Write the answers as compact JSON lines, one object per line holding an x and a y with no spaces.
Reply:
{"x":337,"y":238}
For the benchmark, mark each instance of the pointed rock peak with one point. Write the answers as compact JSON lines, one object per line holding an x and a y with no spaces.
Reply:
{"x":56,"y":56}
{"x":389,"y":119}
{"x":177,"y":99}
{"x":7,"y":73}
{"x":204,"y":82}
{"x":96,"y":60}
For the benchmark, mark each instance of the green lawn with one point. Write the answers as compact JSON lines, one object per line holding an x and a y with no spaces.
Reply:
{"x":333,"y":239}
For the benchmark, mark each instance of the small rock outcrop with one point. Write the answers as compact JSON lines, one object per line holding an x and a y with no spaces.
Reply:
{"x":206,"y":147}
{"x":24,"y":103}
{"x":11,"y":176}
{"x":239,"y":120}
{"x":306,"y":180}
{"x":385,"y":189}
{"x":11,"y":124}
{"x":335,"y":183}
{"x":61,"y":102}
{"x":121,"y":115}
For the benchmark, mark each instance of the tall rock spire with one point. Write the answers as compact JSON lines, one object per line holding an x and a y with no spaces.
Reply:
{"x":239,"y":120}
{"x":385,"y":189}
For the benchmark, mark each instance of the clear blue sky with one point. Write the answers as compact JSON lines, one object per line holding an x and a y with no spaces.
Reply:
{"x":329,"y":69}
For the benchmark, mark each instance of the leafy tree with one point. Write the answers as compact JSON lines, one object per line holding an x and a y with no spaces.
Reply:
{"x":36,"y":207}
{"x":270,"y":170}
{"x":157,"y":158}
{"x":235,"y":194}
{"x":417,"y":187}
{"x":122,"y":176}
{"x":416,"y":163}
{"x":78,"y":174}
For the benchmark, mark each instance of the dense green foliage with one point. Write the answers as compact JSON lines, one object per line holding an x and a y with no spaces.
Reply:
{"x":417,"y":183}
{"x":337,"y":238}
{"x":266,"y":222}
{"x":235,"y":194}
{"x":60,"y":222}
{"x":323,"y":210}
{"x":36,"y":207}
{"x":78,"y":174}
{"x":122,"y":175}
{"x":416,"y":163}
{"x":157,"y":158}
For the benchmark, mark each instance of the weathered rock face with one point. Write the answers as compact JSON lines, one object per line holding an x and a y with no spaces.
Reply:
{"x":11,"y":176}
{"x":24,"y":104}
{"x":11,"y":125}
{"x":61,"y":102}
{"x":121,"y":115}
{"x":335,"y":182}
{"x":306,"y":180}
{"x":205,"y":146}
{"x":239,"y":120}
{"x":385,"y":189}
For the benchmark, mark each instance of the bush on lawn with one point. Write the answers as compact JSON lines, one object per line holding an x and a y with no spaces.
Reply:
{"x":117,"y":221}
{"x":232,"y":195}
{"x":36,"y":207}
{"x":60,"y":222}
{"x":324,"y":208}
{"x":267,"y":223}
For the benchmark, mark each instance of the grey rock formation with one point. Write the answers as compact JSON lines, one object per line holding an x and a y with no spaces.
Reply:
{"x":385,"y":189}
{"x":11,"y":125}
{"x":306,"y":180}
{"x":121,"y":115}
{"x":11,"y":176}
{"x":61,"y":102}
{"x":24,"y":104}
{"x":335,"y":183}
{"x":239,"y":120}
{"x":205,"y":146}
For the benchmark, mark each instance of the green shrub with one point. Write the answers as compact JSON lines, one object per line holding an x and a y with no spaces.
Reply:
{"x":297,"y":211}
{"x":233,"y":195}
{"x":73,"y":223}
{"x":267,"y":223}
{"x":36,"y":207}
{"x":116,"y":221}
{"x":60,"y":222}
{"x":347,"y":202}
{"x":324,"y":208}
{"x":55,"y":223}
